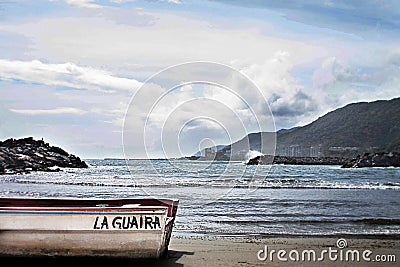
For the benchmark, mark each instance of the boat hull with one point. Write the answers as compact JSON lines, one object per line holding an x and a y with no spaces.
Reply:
{"x":81,"y":243}
{"x":130,"y":230}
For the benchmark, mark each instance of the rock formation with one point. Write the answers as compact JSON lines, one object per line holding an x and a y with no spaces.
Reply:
{"x":265,"y":160}
{"x":26,"y":155}
{"x":383,"y":159}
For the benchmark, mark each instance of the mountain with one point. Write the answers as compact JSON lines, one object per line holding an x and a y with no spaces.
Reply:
{"x":344,"y":132}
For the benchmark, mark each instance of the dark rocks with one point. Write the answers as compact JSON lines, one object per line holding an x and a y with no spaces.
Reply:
{"x":310,"y":160}
{"x":254,"y":161}
{"x":192,"y":158}
{"x":26,"y":155}
{"x":261,"y":160}
{"x":267,"y":159}
{"x":382,"y":159}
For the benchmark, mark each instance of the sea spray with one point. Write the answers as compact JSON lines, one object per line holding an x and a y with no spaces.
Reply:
{"x":252,"y":154}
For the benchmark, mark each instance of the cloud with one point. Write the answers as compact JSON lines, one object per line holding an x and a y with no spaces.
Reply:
{"x":287,"y":98}
{"x":83,"y":3}
{"x":57,"y":111}
{"x":298,"y":105}
{"x":65,"y":74}
{"x":335,"y":83}
{"x":153,"y":39}
{"x":340,"y":83}
{"x":343,"y":16}
{"x":227,"y":106}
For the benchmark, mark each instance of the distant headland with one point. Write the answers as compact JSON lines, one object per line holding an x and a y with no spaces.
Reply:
{"x":365,"y":134}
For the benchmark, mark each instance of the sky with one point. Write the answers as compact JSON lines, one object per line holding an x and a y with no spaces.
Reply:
{"x":76,"y":72}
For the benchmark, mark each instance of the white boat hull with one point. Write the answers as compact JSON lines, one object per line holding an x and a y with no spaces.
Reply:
{"x":133,"y":232}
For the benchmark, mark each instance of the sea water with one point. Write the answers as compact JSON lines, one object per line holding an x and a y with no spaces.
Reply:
{"x":232,"y":199}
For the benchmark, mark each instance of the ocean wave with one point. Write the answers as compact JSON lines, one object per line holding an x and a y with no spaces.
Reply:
{"x":229,"y":183}
{"x":366,"y":221}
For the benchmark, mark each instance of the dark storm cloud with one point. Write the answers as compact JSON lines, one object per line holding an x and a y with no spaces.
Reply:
{"x":298,"y":105}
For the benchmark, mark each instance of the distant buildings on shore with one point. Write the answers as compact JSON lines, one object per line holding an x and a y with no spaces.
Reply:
{"x":318,"y":151}
{"x":209,"y":153}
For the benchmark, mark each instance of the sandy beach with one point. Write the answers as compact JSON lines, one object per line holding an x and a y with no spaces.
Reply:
{"x":243,"y":252}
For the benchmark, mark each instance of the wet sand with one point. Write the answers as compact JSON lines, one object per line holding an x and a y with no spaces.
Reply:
{"x":243,"y":252}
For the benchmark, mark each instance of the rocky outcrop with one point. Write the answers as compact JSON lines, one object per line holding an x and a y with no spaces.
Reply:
{"x":265,"y":160}
{"x":26,"y":155}
{"x":254,"y":161}
{"x":383,"y":159}
{"x":309,"y":160}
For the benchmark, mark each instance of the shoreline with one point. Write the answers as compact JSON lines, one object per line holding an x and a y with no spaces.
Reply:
{"x":233,"y":251}
{"x":243,"y":251}
{"x":390,"y":236}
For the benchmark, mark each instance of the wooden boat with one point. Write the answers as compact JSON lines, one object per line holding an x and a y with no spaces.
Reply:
{"x":133,"y":228}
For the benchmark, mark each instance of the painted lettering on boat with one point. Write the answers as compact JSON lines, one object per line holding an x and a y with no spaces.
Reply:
{"x":127,"y":222}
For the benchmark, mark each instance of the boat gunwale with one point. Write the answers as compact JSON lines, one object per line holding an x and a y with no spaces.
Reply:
{"x":85,"y":209}
{"x":96,"y":204}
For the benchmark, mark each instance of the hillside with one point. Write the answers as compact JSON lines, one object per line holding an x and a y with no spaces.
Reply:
{"x":203,"y":151}
{"x":344,"y":132}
